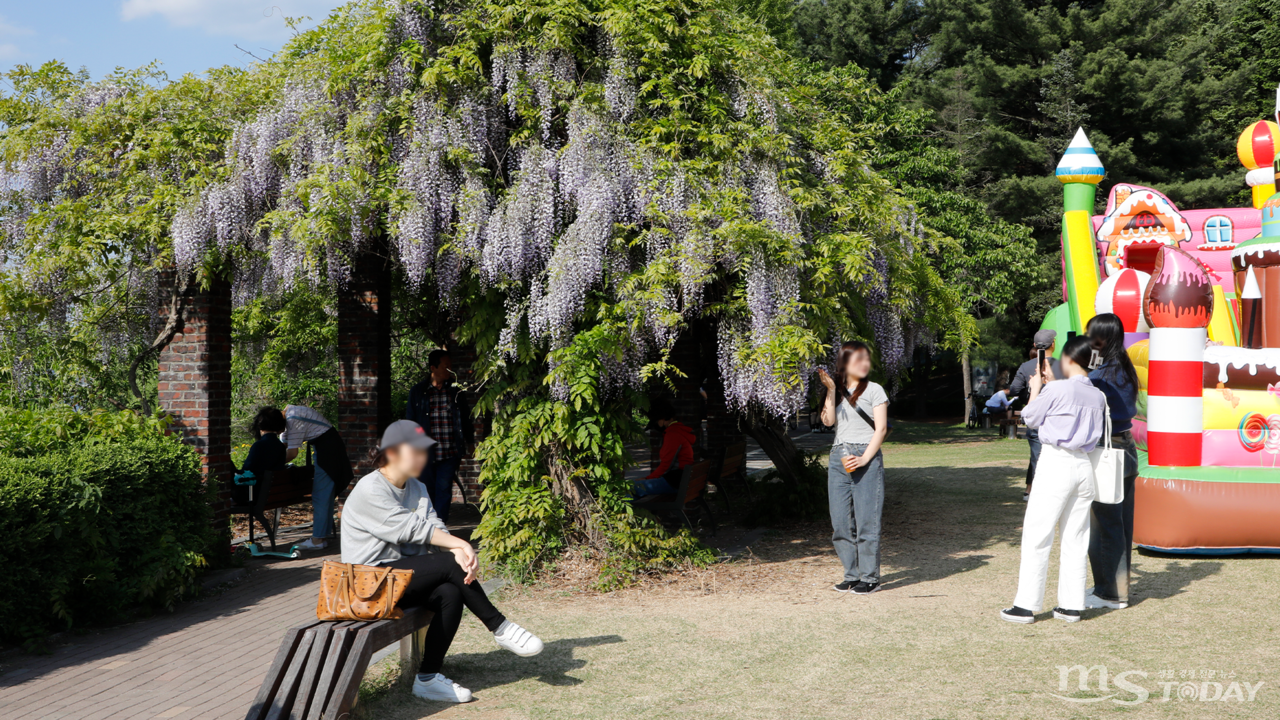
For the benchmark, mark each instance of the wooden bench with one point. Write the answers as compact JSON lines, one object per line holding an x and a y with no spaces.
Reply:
{"x":317,"y":671}
{"x":273,"y":491}
{"x":691,"y":491}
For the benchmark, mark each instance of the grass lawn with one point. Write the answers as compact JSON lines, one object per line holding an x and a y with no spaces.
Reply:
{"x":766,"y":637}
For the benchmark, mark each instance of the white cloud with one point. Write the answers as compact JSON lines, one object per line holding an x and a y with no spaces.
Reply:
{"x":9,"y":50}
{"x":250,"y":19}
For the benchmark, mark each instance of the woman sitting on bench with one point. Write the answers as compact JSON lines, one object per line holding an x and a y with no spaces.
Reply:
{"x":388,"y":520}
{"x":267,"y":454}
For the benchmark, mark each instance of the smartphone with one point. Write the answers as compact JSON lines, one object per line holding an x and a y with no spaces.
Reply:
{"x":1040,"y":360}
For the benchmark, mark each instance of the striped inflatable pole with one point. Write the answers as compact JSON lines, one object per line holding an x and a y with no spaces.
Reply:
{"x":1175,"y":402}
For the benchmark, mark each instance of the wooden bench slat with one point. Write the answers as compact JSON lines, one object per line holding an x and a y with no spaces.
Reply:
{"x":282,"y":703}
{"x":306,"y":688}
{"x":339,"y":645}
{"x":347,"y":688}
{"x":288,"y":646}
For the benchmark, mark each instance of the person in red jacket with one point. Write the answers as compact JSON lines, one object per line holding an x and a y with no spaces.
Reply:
{"x":676,"y":453}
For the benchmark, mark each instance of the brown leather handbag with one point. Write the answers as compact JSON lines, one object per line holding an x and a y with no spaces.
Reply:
{"x":360,"y":592}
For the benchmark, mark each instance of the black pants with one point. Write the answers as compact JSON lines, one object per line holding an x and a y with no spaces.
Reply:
{"x":1033,"y":440}
{"x":437,"y":584}
{"x":1111,"y":534}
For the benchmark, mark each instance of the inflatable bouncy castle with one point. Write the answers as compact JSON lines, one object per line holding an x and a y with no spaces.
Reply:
{"x":1198,"y":292}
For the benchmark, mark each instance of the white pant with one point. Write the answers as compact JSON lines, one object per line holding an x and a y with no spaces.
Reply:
{"x":1060,"y":497}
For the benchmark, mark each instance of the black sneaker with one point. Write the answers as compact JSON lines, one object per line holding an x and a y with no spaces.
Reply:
{"x":1068,"y":615}
{"x":1018,"y":615}
{"x":846,"y":586}
{"x":865,"y":588}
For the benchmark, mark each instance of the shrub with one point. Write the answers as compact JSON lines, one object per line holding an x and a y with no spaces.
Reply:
{"x":98,"y":529}
{"x":30,"y":432}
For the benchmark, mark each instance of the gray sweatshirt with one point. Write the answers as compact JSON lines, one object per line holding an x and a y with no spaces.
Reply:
{"x":382,"y":523}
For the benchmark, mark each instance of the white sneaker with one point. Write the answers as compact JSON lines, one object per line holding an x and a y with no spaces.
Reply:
{"x":313,"y":544}
{"x":440,"y":688}
{"x":1092,"y":602}
{"x":518,"y":640}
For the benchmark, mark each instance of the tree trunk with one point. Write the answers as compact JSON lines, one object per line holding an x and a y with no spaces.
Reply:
{"x":781,"y":449}
{"x":922,"y":372}
{"x":968,"y":385}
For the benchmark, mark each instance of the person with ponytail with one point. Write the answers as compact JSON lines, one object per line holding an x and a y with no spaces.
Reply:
{"x":1111,"y":539}
{"x":859,"y":409}
{"x":1071,"y":417}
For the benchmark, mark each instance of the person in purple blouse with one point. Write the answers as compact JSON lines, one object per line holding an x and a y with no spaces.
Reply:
{"x":1070,"y":415}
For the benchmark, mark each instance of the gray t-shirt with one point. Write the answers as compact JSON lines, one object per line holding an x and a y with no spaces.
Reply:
{"x":382,"y":523}
{"x":850,"y":427}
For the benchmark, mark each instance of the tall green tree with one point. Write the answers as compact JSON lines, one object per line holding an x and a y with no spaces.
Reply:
{"x":574,"y":182}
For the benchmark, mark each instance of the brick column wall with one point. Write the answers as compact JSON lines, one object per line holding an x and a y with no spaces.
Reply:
{"x":194,"y":385}
{"x":364,"y":359}
{"x":463,"y":359}
{"x":695,"y":354}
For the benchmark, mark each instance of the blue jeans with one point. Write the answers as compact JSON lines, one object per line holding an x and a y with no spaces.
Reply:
{"x":438,"y":478}
{"x":323,"y":499}
{"x":1033,"y":439}
{"x":856,"y":502}
{"x":655,"y":486}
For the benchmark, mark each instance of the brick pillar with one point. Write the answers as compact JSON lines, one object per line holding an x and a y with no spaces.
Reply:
{"x":194,"y":385}
{"x":364,"y":358}
{"x":463,"y":359}
{"x":721,"y":423}
{"x":695,"y":354}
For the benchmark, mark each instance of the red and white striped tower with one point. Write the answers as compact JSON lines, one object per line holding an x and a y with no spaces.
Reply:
{"x":1178,"y":303}
{"x":1175,"y":396}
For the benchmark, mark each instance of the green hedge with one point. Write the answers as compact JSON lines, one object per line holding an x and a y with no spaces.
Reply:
{"x":97,"y":529}
{"x":26,"y":432}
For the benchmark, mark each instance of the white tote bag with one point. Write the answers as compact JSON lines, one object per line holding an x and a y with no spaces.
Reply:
{"x":1108,"y":468}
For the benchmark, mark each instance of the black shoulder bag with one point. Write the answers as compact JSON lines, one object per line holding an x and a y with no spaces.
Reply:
{"x":860,"y":411}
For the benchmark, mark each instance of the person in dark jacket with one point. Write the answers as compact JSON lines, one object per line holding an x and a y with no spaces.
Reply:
{"x":1020,"y":388}
{"x":676,"y":453}
{"x":1111,"y":538}
{"x":267,"y":454}
{"x":436,"y":404}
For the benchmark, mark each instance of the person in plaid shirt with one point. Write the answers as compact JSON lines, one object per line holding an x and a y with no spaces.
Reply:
{"x":435,"y":404}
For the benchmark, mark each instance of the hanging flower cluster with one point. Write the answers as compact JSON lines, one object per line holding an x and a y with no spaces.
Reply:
{"x":534,"y":177}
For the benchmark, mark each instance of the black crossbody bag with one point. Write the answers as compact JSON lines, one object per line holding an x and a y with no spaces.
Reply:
{"x":847,"y":395}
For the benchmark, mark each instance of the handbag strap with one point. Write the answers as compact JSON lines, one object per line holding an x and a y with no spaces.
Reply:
{"x":844,"y":391}
{"x":1106,"y":419}
{"x":382,"y":572}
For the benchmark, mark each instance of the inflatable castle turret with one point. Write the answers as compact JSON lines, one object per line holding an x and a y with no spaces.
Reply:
{"x":1256,"y":150}
{"x":1198,"y":292}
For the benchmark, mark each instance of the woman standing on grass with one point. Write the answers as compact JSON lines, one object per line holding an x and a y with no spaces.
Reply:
{"x":1070,"y":415}
{"x":859,"y":409}
{"x":1111,"y":536}
{"x":388,"y":520}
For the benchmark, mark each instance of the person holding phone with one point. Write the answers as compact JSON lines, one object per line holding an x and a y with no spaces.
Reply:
{"x":859,"y":409}
{"x":389,"y":521}
{"x":1071,"y":417}
{"x":1041,"y":357}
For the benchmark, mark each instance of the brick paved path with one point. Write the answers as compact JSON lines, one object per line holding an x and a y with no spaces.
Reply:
{"x":206,"y":660}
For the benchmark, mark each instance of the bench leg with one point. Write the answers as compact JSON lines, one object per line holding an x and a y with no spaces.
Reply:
{"x":411,"y":646}
{"x":262,"y":518}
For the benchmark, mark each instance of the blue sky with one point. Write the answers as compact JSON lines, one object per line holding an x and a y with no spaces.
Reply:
{"x":184,"y":35}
